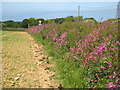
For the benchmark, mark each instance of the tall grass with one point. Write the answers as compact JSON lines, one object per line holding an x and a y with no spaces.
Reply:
{"x":86,"y":53}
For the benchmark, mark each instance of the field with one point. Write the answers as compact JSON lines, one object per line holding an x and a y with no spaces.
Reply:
{"x":78,"y":54}
{"x":86,"y":52}
{"x":20,"y":67}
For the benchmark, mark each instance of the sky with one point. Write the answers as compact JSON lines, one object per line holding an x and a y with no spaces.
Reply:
{"x":59,"y":0}
{"x":18,"y":10}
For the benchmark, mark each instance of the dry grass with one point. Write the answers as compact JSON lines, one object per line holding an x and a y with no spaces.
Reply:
{"x":23,"y":64}
{"x":19,"y":67}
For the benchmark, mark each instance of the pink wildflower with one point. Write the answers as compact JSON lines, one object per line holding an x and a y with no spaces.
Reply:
{"x":117,"y":41}
{"x":67,"y":53}
{"x":103,"y":67}
{"x":110,"y":65}
{"x":55,"y":34}
{"x":90,"y":56}
{"x":88,"y":69}
{"x":111,"y":76}
{"x":94,"y":87}
{"x":84,"y":45}
{"x":86,"y":63}
{"x":88,"y":79}
{"x":63,"y":35}
{"x":95,"y":80}
{"x":105,"y":55}
{"x":79,"y":49}
{"x":75,"y":57}
{"x":117,"y":80}
{"x":54,"y":38}
{"x":97,"y":75}
{"x":114,"y":73}
{"x":110,"y":85}
{"x":110,"y":35}
{"x":71,"y":48}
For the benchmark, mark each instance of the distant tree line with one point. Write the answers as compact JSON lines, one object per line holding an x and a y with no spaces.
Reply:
{"x":33,"y":22}
{"x":24,"y":24}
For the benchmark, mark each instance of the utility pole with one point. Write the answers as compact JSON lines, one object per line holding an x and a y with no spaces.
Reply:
{"x":78,"y":11}
{"x":118,"y":10}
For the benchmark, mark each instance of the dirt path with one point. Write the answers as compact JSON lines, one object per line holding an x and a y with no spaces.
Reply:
{"x":24,"y":63}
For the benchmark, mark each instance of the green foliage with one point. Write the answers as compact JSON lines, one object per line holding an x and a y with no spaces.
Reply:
{"x":86,"y":53}
{"x":71,"y":18}
{"x":29,"y":22}
{"x":91,"y":20}
{"x":59,"y":20}
{"x":25,"y":23}
{"x":66,"y":19}
{"x":11,"y":24}
{"x":32,"y":22}
{"x":40,"y":19}
{"x":49,"y":21}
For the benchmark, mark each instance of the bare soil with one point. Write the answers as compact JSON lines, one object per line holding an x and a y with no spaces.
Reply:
{"x":24,"y":64}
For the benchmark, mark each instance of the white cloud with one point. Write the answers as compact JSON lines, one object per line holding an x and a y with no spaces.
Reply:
{"x":60,"y":0}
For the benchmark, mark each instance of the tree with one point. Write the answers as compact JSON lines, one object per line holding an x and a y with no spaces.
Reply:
{"x":33,"y":22}
{"x":25,"y":23}
{"x":18,"y":24}
{"x":40,"y":19}
{"x":49,"y":21}
{"x":59,"y":20}
{"x":10,"y":23}
{"x":70,"y":18}
{"x":90,"y":20}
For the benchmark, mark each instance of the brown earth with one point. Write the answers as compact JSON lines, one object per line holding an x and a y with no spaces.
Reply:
{"x":24,"y":64}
